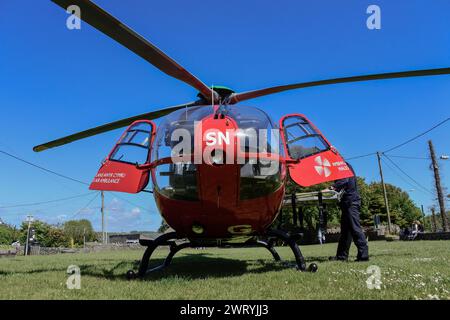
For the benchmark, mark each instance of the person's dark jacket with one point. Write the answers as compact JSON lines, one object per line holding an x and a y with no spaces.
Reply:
{"x":350,"y":188}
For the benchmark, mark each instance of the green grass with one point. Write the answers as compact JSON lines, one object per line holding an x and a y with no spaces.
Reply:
{"x":409,"y":270}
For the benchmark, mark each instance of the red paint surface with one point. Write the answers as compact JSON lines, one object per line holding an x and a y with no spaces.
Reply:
{"x":259,"y":213}
{"x":319,"y":168}
{"x":119,"y":176}
{"x":219,"y":210}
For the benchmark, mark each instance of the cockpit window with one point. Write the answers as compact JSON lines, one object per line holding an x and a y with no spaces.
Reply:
{"x":302,"y":139}
{"x":134,"y":145}
{"x":257,"y":177}
{"x":258,"y":134}
{"x":177,"y":180}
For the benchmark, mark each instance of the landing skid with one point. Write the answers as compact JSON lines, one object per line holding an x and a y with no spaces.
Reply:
{"x":170,"y":238}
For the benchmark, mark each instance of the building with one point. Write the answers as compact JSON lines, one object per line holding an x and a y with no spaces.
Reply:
{"x":130,"y":237}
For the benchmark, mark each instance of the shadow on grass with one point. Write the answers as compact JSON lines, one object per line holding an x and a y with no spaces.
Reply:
{"x":189,"y":266}
{"x":42,"y":270}
{"x":372,"y":256}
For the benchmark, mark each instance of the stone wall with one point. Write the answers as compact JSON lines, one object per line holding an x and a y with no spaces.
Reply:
{"x":38,"y":250}
{"x":433,"y":236}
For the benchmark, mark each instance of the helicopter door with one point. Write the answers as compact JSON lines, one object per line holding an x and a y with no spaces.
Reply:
{"x":311,"y":158}
{"x":120,"y":172}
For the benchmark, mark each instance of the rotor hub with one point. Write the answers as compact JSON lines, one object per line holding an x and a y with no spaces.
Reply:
{"x":222,"y":91}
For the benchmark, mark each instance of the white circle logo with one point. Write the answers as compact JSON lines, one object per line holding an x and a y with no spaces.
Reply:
{"x":322,"y":166}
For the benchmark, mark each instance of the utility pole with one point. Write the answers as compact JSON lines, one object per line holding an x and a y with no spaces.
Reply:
{"x":437,"y":180}
{"x":433,"y":220}
{"x":423,"y":217}
{"x":386,"y":202}
{"x":103,"y":217}
{"x":84,"y":238}
{"x":106,"y":229}
{"x":27,"y":243}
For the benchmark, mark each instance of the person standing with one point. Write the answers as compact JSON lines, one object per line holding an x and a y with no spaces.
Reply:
{"x":350,"y":205}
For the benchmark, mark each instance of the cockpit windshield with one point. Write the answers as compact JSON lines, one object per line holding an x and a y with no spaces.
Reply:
{"x":257,"y":134}
{"x":177,"y":180}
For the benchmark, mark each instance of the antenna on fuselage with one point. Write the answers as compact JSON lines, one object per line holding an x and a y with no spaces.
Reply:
{"x":212,"y":95}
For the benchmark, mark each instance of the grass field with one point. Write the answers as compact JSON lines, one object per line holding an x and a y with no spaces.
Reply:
{"x":409,"y":270}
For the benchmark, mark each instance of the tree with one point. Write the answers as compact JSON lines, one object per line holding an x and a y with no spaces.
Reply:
{"x":7,"y":234}
{"x":429,"y":223}
{"x":45,"y":234}
{"x":78,"y":229}
{"x":403,"y":209}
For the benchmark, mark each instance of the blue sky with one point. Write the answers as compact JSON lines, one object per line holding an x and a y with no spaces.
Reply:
{"x":54,"y":82}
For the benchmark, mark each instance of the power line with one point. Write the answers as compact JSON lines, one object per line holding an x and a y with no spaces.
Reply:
{"x":131,"y":203}
{"x":400,"y":176}
{"x":402,"y":144}
{"x":42,"y":168}
{"x":71,"y":217}
{"x":362,"y":156}
{"x":83,"y":208}
{"x":64,"y":176}
{"x":418,"y":136}
{"x":409,"y":157}
{"x":44,"y":202}
{"x":412,"y":179}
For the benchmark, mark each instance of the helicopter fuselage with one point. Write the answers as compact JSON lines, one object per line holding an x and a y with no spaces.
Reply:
{"x":219,"y":172}
{"x":231,"y":193}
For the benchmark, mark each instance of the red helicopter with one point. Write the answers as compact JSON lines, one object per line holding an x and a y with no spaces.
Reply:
{"x":228,"y":180}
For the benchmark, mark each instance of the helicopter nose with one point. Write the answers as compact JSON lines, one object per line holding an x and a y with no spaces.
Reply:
{"x":216,"y":141}
{"x":217,"y":157}
{"x":218,"y":171}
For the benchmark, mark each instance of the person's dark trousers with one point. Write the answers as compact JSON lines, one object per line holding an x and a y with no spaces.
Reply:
{"x":351,"y":230}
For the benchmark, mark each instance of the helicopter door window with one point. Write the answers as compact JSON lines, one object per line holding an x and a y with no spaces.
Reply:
{"x":302,"y":140}
{"x":130,"y":154}
{"x":315,"y":161}
{"x":134,"y":145}
{"x":119,"y":172}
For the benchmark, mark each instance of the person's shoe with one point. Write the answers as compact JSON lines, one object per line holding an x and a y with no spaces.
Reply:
{"x":362,"y":259}
{"x":335,"y":258}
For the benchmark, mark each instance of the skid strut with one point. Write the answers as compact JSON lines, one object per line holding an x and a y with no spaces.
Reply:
{"x":170,"y":237}
{"x":165,"y":239}
{"x":269,"y":246}
{"x":291,"y":241}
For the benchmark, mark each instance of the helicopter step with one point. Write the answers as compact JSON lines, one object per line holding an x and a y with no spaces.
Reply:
{"x":170,"y":238}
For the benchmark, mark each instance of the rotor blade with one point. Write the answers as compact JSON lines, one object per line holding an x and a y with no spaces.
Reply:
{"x":237,"y":97}
{"x":106,"y":23}
{"x":111,"y":126}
